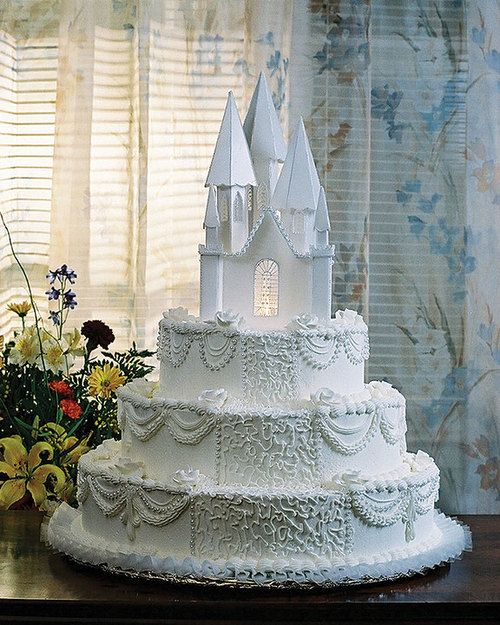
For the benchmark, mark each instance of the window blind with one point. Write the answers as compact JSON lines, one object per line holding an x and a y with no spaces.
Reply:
{"x":28,"y":74}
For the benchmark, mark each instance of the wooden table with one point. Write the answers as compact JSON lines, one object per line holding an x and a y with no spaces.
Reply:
{"x":38,"y":586}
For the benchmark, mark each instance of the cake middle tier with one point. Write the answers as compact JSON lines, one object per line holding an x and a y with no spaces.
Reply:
{"x":262,"y":368}
{"x":303,"y":445}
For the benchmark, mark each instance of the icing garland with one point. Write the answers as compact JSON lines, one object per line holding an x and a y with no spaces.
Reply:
{"x":175,"y":340}
{"x":385,"y":505}
{"x":188,"y":432}
{"x":145,"y":417}
{"x":332,"y":432}
{"x":257,"y":522}
{"x":134,"y":501}
{"x":222,"y":354}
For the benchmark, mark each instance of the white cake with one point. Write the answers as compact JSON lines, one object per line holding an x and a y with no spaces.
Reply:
{"x":261,"y":457}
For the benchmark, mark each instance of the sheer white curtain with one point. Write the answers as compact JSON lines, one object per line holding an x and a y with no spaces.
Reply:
{"x":122,"y":110}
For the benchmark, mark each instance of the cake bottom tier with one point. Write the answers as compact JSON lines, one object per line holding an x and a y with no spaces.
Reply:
{"x":205,"y":533}
{"x":66,"y":534}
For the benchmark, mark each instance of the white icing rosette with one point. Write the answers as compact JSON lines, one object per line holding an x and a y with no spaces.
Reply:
{"x":126,"y":466}
{"x":105,"y":451}
{"x":179,"y":314}
{"x":325,"y":398}
{"x":213,"y":398}
{"x":419,"y":461}
{"x":350,"y":317}
{"x":143,"y":387}
{"x":228,"y":319}
{"x":187,"y":477}
{"x":345,"y":480}
{"x":306,"y":321}
{"x":381,"y":390}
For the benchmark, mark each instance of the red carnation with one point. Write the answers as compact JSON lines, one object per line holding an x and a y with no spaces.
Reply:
{"x":62,"y":388}
{"x":70,"y":408}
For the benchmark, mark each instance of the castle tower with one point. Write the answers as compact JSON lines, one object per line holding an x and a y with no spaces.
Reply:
{"x":265,"y":140}
{"x":211,"y":261}
{"x":297,"y":191}
{"x":322,"y":220}
{"x":322,"y":260}
{"x":231,"y":172}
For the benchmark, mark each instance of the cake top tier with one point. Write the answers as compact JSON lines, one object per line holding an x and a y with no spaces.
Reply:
{"x":266,"y":254}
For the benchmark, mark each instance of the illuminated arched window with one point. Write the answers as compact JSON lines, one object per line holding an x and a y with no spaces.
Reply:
{"x":265,"y":288}
{"x":238,"y":207}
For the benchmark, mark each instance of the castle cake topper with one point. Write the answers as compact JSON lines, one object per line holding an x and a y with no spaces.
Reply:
{"x":266,"y":255}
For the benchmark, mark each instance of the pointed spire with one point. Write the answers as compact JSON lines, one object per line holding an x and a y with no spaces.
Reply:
{"x":298,"y":185}
{"x":322,"y":220}
{"x":262,"y":127}
{"x":211,"y":214}
{"x":231,"y":163}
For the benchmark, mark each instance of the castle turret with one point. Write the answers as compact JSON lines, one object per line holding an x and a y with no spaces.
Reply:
{"x":231,"y":172}
{"x":267,"y":146}
{"x":322,"y":259}
{"x":322,"y":220}
{"x":211,"y":266}
{"x":211,"y":223}
{"x":297,"y":191}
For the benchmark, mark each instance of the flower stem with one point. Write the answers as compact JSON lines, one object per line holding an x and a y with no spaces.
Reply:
{"x":32,"y":299}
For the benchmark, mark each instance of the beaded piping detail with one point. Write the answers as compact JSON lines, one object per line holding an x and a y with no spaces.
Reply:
{"x":318,"y":349}
{"x":187,"y":423}
{"x":242,"y":522}
{"x":133,"y":500}
{"x":346,"y":428}
{"x":363,"y":419}
{"x":385,"y":504}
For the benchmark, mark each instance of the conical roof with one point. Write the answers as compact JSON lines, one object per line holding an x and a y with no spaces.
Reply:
{"x":231,"y":163}
{"x":262,"y":127}
{"x":211,"y":214}
{"x":322,"y":220}
{"x":298,"y":185}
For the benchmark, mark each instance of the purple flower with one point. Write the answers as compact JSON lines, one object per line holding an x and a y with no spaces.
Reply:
{"x":60,"y":273}
{"x":68,"y":273}
{"x":52,"y":276}
{"x":69,"y":299}
{"x":54,"y":317}
{"x":53,"y":293}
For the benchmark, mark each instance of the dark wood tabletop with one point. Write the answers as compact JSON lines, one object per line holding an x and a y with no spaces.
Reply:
{"x":38,"y":586}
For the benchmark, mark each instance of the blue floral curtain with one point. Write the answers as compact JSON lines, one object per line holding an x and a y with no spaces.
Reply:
{"x":404,"y":118}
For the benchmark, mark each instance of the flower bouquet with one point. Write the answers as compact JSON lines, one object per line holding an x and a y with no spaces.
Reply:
{"x":57,"y":395}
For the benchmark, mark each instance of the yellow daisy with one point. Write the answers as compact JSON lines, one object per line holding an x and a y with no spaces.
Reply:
{"x":103,"y":381}
{"x":20,"y":308}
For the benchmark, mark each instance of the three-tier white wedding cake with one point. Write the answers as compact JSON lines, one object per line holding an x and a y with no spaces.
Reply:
{"x":261,"y":457}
